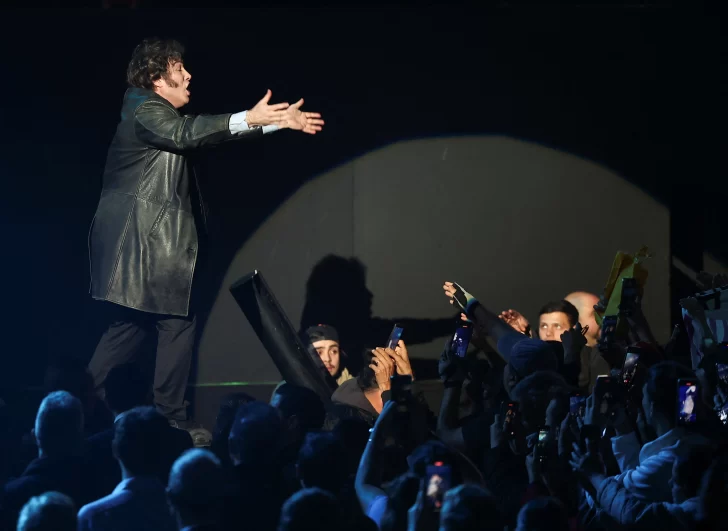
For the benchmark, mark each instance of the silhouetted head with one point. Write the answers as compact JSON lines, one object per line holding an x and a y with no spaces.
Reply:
{"x":543,"y":514}
{"x":139,"y":439}
{"x":322,"y":462}
{"x":51,"y":511}
{"x":196,"y":487}
{"x":308,"y":506}
{"x":59,"y":425}
{"x":224,"y":422}
{"x":301,"y":410}
{"x":470,"y":508}
{"x":584,"y":303}
{"x":256,"y":435}
{"x":337,"y":294}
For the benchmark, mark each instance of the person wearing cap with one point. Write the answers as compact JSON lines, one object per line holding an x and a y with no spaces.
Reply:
{"x":324,"y":341}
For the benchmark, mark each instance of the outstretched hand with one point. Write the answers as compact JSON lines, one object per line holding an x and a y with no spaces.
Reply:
{"x":265,"y":114}
{"x":458,"y":296}
{"x":515,"y":320}
{"x":298,"y":120}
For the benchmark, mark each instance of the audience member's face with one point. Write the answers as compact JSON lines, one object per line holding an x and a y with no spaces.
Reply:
{"x":328,"y":351}
{"x":552,"y":325}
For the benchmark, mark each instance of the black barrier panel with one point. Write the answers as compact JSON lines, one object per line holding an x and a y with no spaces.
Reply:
{"x":295,"y":363}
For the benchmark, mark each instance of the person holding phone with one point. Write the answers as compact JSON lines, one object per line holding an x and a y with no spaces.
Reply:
{"x":365,"y":395}
{"x":647,"y":469}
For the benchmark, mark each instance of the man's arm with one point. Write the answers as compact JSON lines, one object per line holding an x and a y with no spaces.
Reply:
{"x":368,"y":477}
{"x":161,"y":127}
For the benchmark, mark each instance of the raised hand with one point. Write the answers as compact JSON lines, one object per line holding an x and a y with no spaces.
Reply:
{"x":573,"y":340}
{"x":586,"y":463}
{"x":265,"y":114}
{"x":298,"y":120}
{"x":451,"y":367}
{"x":515,"y":320}
{"x":383,"y":367}
{"x":401,"y":359}
{"x":458,"y":296}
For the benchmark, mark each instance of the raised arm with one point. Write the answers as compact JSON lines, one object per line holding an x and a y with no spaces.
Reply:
{"x":162,"y":127}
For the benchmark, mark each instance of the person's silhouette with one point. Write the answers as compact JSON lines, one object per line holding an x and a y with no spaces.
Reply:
{"x":337,"y":295}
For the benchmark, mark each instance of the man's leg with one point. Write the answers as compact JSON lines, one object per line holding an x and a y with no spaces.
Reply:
{"x":174,"y":359}
{"x":118,"y":345}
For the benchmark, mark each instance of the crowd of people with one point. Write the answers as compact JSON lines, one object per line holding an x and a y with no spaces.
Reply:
{"x":563,"y":425}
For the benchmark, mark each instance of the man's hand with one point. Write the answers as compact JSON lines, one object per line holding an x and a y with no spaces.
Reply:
{"x":451,"y":367}
{"x":296,"y":119}
{"x":401,"y":359}
{"x":264,"y":114}
{"x":568,"y":435}
{"x":587,"y":464}
{"x":534,"y":468}
{"x":573,"y":341}
{"x":515,"y":320}
{"x":458,"y":296}
{"x":383,"y":367}
{"x":593,"y":414}
{"x":497,"y":437}
{"x":421,"y":516}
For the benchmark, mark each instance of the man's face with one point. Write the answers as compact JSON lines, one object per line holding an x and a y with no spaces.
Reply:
{"x":174,"y":88}
{"x":328,"y":351}
{"x":552,"y":325}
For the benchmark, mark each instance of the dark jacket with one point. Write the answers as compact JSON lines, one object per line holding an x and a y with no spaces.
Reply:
{"x":350,"y":401}
{"x":71,"y":476}
{"x":107,"y":472}
{"x":143,"y":238}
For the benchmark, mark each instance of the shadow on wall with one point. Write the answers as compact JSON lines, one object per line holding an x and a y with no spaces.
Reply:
{"x":337,"y":295}
{"x":515,"y":222}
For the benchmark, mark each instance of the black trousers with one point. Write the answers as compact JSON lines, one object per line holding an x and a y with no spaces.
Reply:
{"x":121,"y":343}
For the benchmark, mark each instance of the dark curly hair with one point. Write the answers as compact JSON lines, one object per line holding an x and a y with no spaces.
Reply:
{"x":150,"y":61}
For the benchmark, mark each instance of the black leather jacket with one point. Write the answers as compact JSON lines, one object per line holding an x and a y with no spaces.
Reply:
{"x":143,"y":239}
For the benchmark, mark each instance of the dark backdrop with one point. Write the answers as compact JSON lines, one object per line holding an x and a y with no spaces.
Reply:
{"x":636,"y":90}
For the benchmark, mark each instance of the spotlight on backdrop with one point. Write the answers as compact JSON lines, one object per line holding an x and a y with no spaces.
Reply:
{"x":271,"y":325}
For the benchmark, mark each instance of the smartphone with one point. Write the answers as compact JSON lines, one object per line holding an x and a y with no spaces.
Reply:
{"x":542,"y":442}
{"x":577,"y":405}
{"x":629,"y":367}
{"x":437,"y":482}
{"x":510,"y":415}
{"x":395,"y":336}
{"x":630,"y":296}
{"x":461,"y":340}
{"x":609,"y":332}
{"x":722,"y":370}
{"x":687,"y":398}
{"x":606,"y":390}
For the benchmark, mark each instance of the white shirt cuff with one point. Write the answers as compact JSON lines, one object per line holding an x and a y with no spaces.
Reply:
{"x":239,"y":125}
